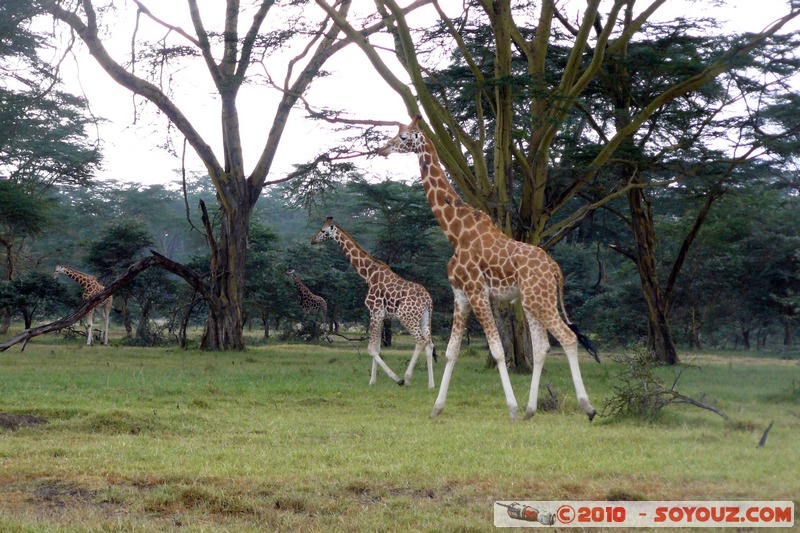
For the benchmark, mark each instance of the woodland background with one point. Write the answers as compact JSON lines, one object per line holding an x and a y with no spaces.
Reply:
{"x":668,"y":191}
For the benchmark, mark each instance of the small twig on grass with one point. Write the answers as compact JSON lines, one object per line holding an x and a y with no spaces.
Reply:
{"x":349,"y":339}
{"x":764,"y":436}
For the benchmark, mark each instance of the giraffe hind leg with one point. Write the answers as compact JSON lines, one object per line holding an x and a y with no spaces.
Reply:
{"x":540,"y":347}
{"x":483,"y":312}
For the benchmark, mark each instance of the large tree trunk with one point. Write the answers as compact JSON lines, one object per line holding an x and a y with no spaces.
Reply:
{"x":5,"y":321}
{"x":225,"y":326}
{"x":659,"y":338}
{"x":126,"y":317}
{"x":746,"y":337}
{"x":694,"y":335}
{"x":514,"y":336}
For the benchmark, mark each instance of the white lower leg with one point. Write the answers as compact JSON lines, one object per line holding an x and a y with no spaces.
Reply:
{"x":441,"y":398}
{"x":89,"y":334}
{"x":385,"y":367}
{"x":499,"y":356}
{"x":534,"y":396}
{"x":412,"y":364}
{"x":453,"y":347}
{"x":429,"y":361}
{"x":373,"y":375}
{"x":540,"y":346}
{"x":580,"y":390}
{"x":105,"y":330}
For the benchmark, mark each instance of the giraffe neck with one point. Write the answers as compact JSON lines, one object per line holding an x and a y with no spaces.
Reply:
{"x":85,"y":280}
{"x":363,"y":263}
{"x":300,"y":285}
{"x":445,"y":202}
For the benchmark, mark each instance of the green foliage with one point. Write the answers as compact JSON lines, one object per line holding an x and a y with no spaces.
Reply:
{"x":119,"y":246}
{"x":21,"y":213}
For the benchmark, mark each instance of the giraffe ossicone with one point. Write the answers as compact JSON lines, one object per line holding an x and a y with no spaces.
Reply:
{"x":387,"y":295}
{"x":91,"y":287}
{"x":487,"y":265}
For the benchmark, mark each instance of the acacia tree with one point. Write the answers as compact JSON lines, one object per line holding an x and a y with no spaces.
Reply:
{"x":228,"y":55}
{"x":526,"y":81}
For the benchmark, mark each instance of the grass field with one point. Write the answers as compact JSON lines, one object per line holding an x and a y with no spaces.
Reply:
{"x":291,"y":438}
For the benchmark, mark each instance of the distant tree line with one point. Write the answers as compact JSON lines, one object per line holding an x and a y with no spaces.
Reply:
{"x":739,"y":289}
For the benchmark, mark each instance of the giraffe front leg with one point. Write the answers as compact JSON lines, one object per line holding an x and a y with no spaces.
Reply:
{"x":106,"y":320}
{"x":373,"y":374}
{"x":411,"y":364}
{"x":89,"y":334}
{"x":460,"y":315}
{"x":374,"y":348}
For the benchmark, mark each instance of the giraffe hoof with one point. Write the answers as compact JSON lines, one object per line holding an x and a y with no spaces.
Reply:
{"x":436,"y":411}
{"x":512,"y":413}
{"x":401,"y":382}
{"x":529,"y":414}
{"x":592,"y":415}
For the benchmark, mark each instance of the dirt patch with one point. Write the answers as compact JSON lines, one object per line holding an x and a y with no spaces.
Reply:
{"x":61,"y":494}
{"x":15,"y":421}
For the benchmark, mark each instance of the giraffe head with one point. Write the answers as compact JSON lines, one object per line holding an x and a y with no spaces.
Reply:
{"x":409,"y":140}
{"x":289,"y":272}
{"x":327,"y":232}
{"x":59,"y":270}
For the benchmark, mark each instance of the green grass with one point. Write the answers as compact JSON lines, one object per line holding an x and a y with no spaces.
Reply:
{"x":291,"y":438}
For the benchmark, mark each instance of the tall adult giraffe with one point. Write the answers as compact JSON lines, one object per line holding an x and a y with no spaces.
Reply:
{"x":311,"y":303}
{"x":91,"y":287}
{"x":388,"y":295}
{"x":487,"y":264}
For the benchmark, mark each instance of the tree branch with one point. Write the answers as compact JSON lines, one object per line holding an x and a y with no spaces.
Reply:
{"x":137,"y":268}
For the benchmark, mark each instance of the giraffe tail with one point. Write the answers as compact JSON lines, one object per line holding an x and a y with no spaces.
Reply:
{"x":583,"y":339}
{"x":585,"y":342}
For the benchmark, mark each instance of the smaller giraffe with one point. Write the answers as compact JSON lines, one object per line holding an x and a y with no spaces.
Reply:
{"x":388,"y":295}
{"x":91,"y":287}
{"x":310,"y":303}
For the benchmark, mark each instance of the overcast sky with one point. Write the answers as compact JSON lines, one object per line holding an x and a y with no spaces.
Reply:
{"x":131,"y":149}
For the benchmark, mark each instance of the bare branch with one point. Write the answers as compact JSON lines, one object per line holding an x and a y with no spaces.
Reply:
{"x":144,"y":9}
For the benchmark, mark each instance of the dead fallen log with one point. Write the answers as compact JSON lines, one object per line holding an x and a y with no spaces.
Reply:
{"x":137,"y":268}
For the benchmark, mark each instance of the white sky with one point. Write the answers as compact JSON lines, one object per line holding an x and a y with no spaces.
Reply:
{"x":131,"y":149}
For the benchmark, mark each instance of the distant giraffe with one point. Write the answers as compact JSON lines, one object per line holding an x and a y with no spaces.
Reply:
{"x":91,"y":287}
{"x":388,"y":295}
{"x":310,"y":303}
{"x":488,"y":264}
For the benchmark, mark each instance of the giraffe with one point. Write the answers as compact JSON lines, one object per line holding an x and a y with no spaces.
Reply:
{"x":310,"y":302}
{"x":91,"y":287}
{"x":487,"y":264}
{"x":388,"y":295}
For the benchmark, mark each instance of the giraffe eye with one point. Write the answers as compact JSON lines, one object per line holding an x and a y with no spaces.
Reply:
{"x":403,"y":136}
